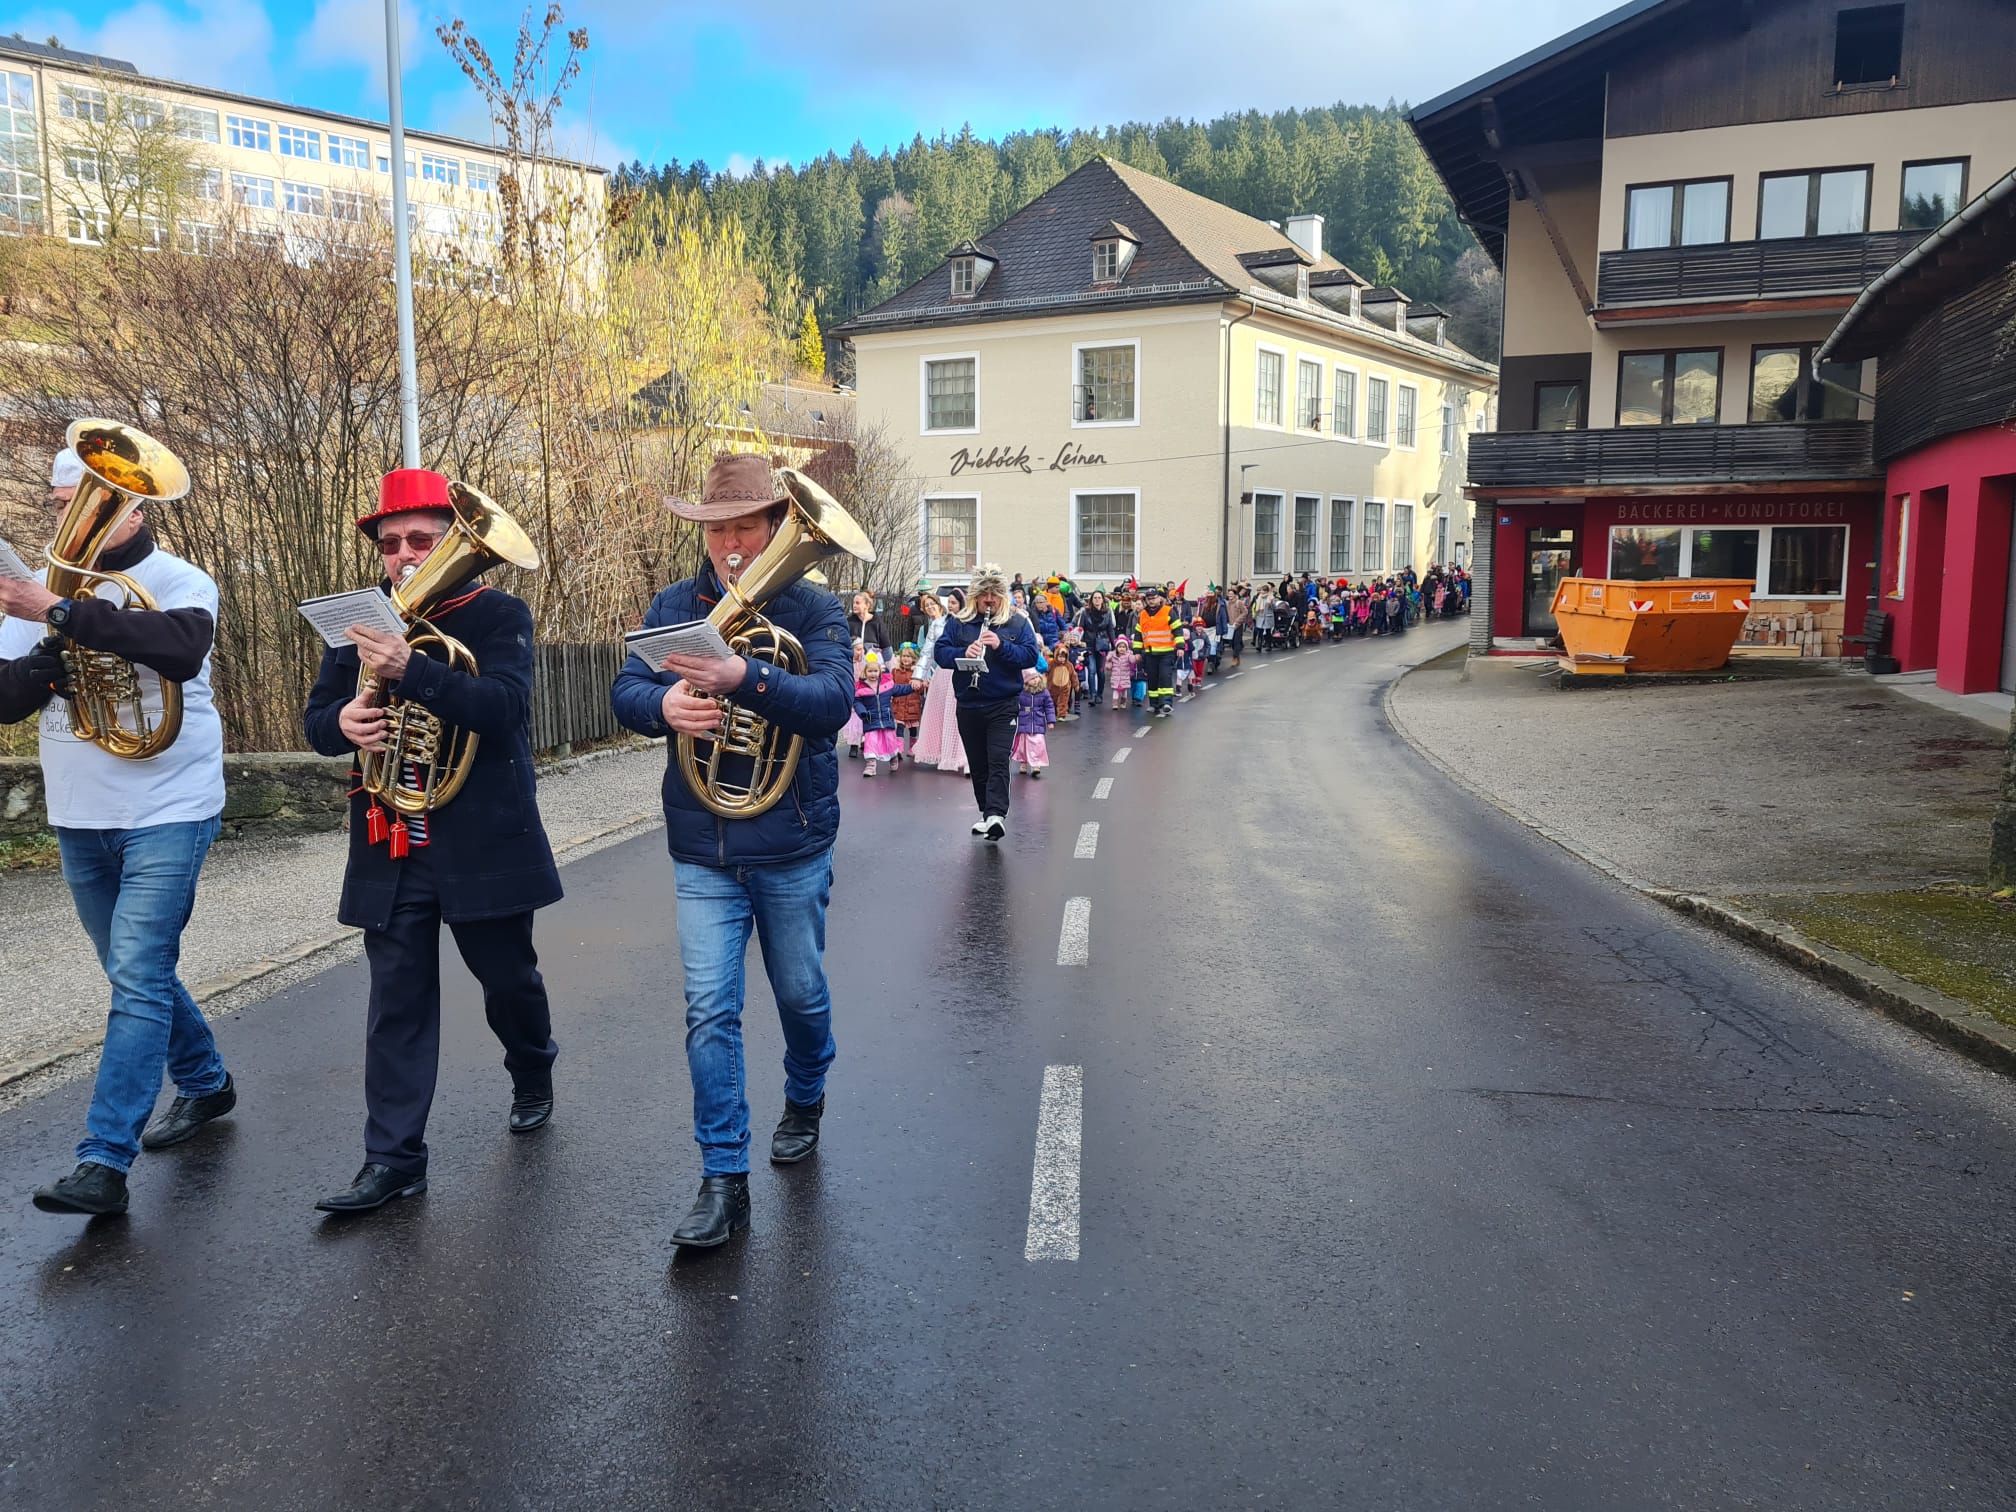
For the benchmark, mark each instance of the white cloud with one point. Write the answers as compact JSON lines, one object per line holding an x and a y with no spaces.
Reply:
{"x":351,"y":34}
{"x":226,"y":43}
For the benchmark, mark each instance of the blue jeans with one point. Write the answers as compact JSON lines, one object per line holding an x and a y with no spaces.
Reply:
{"x":718,"y":906}
{"x":134,"y":890}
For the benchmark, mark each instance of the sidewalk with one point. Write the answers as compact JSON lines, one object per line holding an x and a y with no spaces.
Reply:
{"x":265,"y":916}
{"x":1840,"y":824}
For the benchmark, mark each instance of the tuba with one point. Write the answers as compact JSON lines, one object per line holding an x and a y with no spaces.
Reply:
{"x":424,"y":762}
{"x":124,"y":468}
{"x":814,"y":527}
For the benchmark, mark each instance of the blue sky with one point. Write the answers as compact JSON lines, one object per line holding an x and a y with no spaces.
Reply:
{"x":792,"y":78}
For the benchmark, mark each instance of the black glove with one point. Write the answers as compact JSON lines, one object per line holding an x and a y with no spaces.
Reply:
{"x":44,"y":667}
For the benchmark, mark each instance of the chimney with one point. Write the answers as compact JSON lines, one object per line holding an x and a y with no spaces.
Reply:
{"x":1306,"y":231}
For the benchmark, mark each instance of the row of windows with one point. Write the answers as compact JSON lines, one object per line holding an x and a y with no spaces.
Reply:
{"x":1356,"y":541}
{"x":20,"y":157}
{"x":1105,"y":388}
{"x":1105,"y":533}
{"x":1685,"y":388}
{"x":83,"y":102}
{"x":1784,"y":561}
{"x":1809,"y":202}
{"x":1340,"y":414}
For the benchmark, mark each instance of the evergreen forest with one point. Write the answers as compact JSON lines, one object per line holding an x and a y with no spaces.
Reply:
{"x":842,"y":232}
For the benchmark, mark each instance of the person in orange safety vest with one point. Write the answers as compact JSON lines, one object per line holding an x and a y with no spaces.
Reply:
{"x":1156,"y":637}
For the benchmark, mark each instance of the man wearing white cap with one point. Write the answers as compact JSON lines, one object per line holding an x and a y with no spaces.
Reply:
{"x":133,"y":835}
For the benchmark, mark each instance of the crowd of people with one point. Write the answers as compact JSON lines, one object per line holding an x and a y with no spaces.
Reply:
{"x":1145,"y":647}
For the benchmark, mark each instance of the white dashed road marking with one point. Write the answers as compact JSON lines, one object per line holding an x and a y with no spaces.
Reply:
{"x":1088,"y":841}
{"x":1230,"y":675}
{"x":1074,"y":942}
{"x":1210,"y":685}
{"x":1121,"y":754}
{"x":1103,"y":788}
{"x":1053,"y":1184}
{"x":1144,"y":732}
{"x":1263,"y":666}
{"x":1308,"y":653}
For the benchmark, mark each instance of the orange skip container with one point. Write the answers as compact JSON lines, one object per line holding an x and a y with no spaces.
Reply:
{"x":1667,"y":625}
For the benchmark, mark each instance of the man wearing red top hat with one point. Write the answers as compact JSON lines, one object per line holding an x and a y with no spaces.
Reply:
{"x":772,"y":873}
{"x":481,"y":863}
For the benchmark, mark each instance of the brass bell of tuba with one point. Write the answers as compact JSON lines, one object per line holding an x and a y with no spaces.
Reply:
{"x":747,"y":769}
{"x":124,"y":468}
{"x":424,"y":761}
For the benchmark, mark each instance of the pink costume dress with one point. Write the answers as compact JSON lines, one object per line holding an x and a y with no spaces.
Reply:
{"x":938,"y":736}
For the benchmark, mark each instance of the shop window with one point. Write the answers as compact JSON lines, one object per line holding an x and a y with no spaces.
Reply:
{"x":1669,"y":388}
{"x":1932,"y":192}
{"x":1644,"y":552}
{"x":1723,"y":553}
{"x":1807,"y":561}
{"x":1783,"y":388}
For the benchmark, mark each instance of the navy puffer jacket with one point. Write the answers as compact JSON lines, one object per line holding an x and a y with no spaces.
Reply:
{"x":1005,"y":663}
{"x":814,"y":704}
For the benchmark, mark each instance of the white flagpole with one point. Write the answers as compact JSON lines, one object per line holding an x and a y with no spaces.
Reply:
{"x":402,"y":249}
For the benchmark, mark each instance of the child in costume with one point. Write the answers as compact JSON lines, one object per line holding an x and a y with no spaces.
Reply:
{"x":1035,"y":716}
{"x":1120,"y":673}
{"x":850,"y":734}
{"x":874,"y":705}
{"x":908,"y":701}
{"x":1063,"y":680}
{"x":1200,"y":653}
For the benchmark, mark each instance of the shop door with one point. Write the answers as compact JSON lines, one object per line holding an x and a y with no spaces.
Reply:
{"x":2008,"y":681}
{"x":1550,"y":557}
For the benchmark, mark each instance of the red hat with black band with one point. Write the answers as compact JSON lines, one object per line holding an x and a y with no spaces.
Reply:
{"x":403,"y":491}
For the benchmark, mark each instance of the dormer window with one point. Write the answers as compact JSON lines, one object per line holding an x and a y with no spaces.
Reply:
{"x":962,"y":277}
{"x":1106,"y":261}
{"x":970,"y":263}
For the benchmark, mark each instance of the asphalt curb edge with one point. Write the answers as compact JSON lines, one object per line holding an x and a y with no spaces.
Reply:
{"x":1945,"y":1019}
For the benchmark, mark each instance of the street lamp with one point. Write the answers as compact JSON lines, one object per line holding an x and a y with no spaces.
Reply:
{"x":402,"y":250}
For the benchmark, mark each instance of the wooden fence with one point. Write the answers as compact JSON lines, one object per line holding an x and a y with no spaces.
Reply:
{"x":570,"y":695}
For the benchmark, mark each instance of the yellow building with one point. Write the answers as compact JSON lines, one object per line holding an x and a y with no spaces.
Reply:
{"x":1127,"y":379}
{"x":71,"y":125}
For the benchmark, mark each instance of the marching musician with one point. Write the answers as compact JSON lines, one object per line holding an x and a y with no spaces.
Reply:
{"x":773,"y":871}
{"x":133,"y":835}
{"x":482,"y":863}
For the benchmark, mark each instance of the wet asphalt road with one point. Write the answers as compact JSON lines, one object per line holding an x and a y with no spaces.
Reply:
{"x":1422,"y":1168}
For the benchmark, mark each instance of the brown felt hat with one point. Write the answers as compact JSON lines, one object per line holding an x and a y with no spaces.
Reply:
{"x":738,"y":484}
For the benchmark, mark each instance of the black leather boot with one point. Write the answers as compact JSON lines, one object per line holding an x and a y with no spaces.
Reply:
{"x":530,"y":1110}
{"x":186,"y":1115}
{"x":797,"y":1132}
{"x":718,"y":1212}
{"x":91,"y":1188}
{"x":374,"y":1186}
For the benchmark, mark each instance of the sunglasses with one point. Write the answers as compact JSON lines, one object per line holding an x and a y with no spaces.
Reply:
{"x":389,"y":545}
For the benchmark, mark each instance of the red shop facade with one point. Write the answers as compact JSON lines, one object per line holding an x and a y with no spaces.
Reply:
{"x":1810,"y":553}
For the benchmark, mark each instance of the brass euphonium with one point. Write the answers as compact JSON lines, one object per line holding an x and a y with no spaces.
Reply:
{"x":747,"y":769}
{"x":124,"y":468}
{"x":439,"y":755}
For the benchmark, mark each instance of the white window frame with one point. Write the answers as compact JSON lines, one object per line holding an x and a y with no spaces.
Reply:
{"x":1134,"y":566}
{"x":1303,"y":362}
{"x":257,"y":183}
{"x":1076,"y":369}
{"x":310,"y":141}
{"x":480,"y":174}
{"x":81,"y":164}
{"x":1412,"y":537}
{"x":96,"y":107}
{"x":349,"y":152}
{"x":1347,"y":507}
{"x":1318,"y":547}
{"x":1281,"y":525}
{"x":963,"y":281}
{"x":1375,"y":538}
{"x":79,"y":223}
{"x":260,"y":132}
{"x":1444,"y":540}
{"x":1413,"y":444}
{"x":1338,"y":372}
{"x":1260,"y":421}
{"x":1106,"y":263}
{"x":924,"y":426}
{"x":196,"y":238}
{"x":296,"y":198}
{"x":924,"y":534}
{"x":1903,"y":545}
{"x":1385,"y":436}
{"x":191,"y":125}
{"x":1762,"y":588}
{"x":352,"y":206}
{"x":440,"y":168}
{"x":1450,"y":429}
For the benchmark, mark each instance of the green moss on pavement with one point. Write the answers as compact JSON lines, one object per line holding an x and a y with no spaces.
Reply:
{"x":1959,"y":941}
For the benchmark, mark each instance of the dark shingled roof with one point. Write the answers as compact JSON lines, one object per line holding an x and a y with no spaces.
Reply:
{"x":22,"y":48}
{"x":1188,"y":248}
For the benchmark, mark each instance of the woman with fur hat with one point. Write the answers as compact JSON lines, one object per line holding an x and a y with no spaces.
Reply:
{"x":998,"y":646}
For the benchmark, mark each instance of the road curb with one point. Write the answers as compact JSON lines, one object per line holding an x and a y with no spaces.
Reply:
{"x":215,"y":988}
{"x":1932,"y":1013}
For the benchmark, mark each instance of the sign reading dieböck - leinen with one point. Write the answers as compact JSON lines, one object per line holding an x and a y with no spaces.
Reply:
{"x":1017,"y":459}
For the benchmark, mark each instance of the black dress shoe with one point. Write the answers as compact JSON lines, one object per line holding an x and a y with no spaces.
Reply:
{"x":797,"y":1132}
{"x":374,"y":1186}
{"x":91,"y":1188}
{"x":721,"y":1208}
{"x":530,"y":1110}
{"x":186,"y":1115}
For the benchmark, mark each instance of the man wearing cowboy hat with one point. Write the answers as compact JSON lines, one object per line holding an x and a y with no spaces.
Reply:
{"x":773,"y":872}
{"x":133,"y":836}
{"x":481,"y":864}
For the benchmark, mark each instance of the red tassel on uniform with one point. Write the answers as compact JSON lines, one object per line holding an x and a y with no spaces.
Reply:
{"x":399,"y":842}
{"x":374,"y":825}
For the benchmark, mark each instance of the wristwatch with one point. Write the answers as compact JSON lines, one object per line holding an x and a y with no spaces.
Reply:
{"x":58,"y":617}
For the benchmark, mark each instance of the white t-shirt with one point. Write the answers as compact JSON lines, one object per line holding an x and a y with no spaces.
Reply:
{"x":92,"y":790}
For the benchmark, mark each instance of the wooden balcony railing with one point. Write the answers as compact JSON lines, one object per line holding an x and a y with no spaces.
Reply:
{"x":1746,"y":270}
{"x":1825,"y":451}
